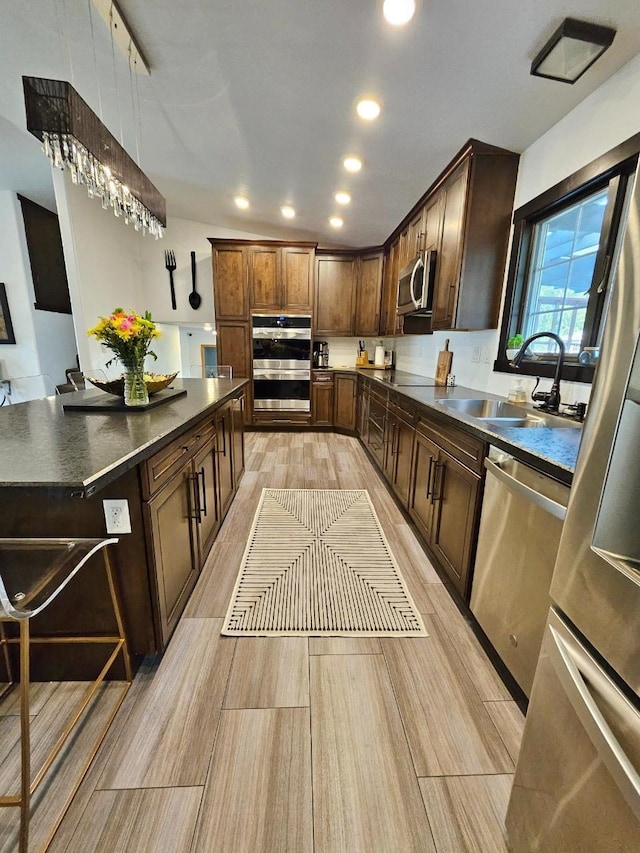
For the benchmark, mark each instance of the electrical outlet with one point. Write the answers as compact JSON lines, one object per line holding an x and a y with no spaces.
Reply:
{"x":116,"y":514}
{"x":475,"y":355}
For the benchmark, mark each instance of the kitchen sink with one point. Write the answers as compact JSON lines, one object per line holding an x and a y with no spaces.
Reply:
{"x":501,"y":413}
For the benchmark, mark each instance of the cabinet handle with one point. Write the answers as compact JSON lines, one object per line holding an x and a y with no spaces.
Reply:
{"x":196,"y":497}
{"x":437,"y":497}
{"x":428,"y":494}
{"x":394,"y":443}
{"x":204,"y":491}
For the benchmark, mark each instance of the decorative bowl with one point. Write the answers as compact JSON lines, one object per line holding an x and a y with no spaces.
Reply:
{"x":154,"y":381}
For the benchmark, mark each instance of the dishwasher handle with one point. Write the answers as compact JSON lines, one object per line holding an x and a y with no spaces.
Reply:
{"x":552,"y":507}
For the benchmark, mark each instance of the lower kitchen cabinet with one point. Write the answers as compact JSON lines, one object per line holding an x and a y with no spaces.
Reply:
{"x":171,"y":516}
{"x":238,"y":410}
{"x":224,"y":429}
{"x":322,"y":398}
{"x":375,"y":438}
{"x":344,"y":414}
{"x":445,"y":504}
{"x":400,"y":439}
{"x":207,"y":512}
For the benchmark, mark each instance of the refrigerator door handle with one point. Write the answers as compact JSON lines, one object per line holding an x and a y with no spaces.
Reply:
{"x":569,"y":663}
{"x":552,"y":507}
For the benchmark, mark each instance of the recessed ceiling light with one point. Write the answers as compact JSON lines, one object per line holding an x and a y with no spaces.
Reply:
{"x":241,"y":202}
{"x":352,"y":164}
{"x":368,"y":109}
{"x":342,"y":197}
{"x":287,"y":211}
{"x":398,"y":12}
{"x":335,"y":222}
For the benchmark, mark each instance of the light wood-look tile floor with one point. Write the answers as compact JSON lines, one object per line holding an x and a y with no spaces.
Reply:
{"x":262,"y":745}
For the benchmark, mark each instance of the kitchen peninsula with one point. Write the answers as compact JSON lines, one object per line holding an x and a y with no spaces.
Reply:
{"x":177,"y":466}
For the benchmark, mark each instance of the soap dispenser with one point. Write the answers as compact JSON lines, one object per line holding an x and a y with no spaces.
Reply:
{"x":517,"y":394}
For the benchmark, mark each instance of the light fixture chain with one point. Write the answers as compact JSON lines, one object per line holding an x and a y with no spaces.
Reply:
{"x":133,"y":109}
{"x":115,"y":76}
{"x":95,"y":61}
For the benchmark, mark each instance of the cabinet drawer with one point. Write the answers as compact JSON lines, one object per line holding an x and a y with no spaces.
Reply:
{"x":402,"y":408}
{"x":164,"y":464}
{"x":380,"y":394}
{"x":322,"y":376}
{"x":463,"y":447}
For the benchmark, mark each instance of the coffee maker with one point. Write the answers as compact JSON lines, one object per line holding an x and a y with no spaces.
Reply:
{"x":320,"y":354}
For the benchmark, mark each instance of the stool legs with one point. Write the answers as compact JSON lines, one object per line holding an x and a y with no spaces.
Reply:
{"x":25,"y":737}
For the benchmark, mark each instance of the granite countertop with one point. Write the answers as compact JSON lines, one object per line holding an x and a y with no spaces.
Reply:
{"x":77,"y":452}
{"x":552,"y":451}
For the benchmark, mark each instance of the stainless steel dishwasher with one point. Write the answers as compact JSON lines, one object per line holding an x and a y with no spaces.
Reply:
{"x":520,"y":527}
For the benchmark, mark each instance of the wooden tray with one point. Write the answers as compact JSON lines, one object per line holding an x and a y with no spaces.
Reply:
{"x":110,"y":403}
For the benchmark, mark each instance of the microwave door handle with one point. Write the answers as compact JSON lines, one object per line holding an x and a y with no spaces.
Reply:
{"x":413,"y":276}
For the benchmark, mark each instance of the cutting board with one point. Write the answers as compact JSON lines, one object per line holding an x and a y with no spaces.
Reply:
{"x":445,"y":358}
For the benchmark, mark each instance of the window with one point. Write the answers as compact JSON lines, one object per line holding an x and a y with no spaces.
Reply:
{"x":561,"y":264}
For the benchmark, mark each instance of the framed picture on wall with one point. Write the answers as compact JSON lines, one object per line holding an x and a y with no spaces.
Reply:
{"x":6,"y":329}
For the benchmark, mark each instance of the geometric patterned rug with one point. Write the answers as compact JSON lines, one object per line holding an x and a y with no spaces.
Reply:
{"x":318,"y":564}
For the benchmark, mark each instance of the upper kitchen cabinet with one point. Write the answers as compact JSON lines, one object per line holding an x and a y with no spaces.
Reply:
{"x":465,"y":216}
{"x":281,"y":278}
{"x":368,"y":294}
{"x":348,"y":293}
{"x":230,"y":281}
{"x":269,"y":276}
{"x":390,"y":324}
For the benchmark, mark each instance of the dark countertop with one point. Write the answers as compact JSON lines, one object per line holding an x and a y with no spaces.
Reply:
{"x":552,"y":451}
{"x":76,"y":452}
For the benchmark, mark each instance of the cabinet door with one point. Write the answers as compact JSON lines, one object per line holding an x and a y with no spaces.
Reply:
{"x":171,"y":515}
{"x":450,"y":256}
{"x":230,"y":286}
{"x":369,"y":294}
{"x":207,"y":511}
{"x":345,"y":401}
{"x":234,"y":348}
{"x":388,"y":449}
{"x":297,"y":265}
{"x":456,"y":492}
{"x":363,"y":410}
{"x":224,"y":451}
{"x":389,"y":292}
{"x":433,"y":222}
{"x":416,"y":235}
{"x":421,"y":503}
{"x":237,"y":423}
{"x":264,"y":276}
{"x":335,"y":295}
{"x":322,"y":403}
{"x":376,"y":428}
{"x":402,"y":453}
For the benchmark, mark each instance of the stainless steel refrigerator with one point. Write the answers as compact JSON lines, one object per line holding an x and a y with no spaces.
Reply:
{"x":577,"y":782}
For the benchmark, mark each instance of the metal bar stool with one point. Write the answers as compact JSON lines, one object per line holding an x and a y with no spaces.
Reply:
{"x":33,"y":572}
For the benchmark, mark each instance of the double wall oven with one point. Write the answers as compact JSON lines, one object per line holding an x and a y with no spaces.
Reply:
{"x":281,"y":362}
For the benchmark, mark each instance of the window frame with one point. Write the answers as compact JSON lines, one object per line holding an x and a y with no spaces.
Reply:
{"x":614,"y":169}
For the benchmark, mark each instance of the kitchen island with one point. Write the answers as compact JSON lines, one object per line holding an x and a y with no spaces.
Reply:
{"x":177,"y":466}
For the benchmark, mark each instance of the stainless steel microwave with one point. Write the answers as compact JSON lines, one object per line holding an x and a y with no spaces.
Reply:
{"x":415,"y":285}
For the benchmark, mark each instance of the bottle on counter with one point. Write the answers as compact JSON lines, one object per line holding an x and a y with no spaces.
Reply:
{"x":517,"y":393}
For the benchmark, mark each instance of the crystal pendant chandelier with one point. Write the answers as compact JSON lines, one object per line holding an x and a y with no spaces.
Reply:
{"x":73,"y":137}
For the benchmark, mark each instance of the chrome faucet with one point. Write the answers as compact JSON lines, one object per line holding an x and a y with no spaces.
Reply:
{"x":551,"y":399}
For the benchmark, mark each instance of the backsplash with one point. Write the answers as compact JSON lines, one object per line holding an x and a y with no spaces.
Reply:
{"x":473,"y":356}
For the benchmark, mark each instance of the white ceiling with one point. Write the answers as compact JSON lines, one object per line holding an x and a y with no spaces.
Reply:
{"x":257,"y":97}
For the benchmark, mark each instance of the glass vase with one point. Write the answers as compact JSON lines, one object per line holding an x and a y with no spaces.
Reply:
{"x":135,"y":388}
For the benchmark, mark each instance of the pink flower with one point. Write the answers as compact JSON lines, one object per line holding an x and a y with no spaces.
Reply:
{"x":126,"y":324}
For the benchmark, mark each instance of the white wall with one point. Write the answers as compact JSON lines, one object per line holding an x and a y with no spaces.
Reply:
{"x":603,"y":120}
{"x":103,"y":261}
{"x":45,"y":342}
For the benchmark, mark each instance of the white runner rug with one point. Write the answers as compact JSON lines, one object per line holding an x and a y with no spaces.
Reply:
{"x":317,"y":563}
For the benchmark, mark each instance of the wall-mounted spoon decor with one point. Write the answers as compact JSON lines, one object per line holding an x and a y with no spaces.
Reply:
{"x":194,"y":297}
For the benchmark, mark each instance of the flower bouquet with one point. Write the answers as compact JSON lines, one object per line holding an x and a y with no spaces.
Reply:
{"x":129,"y":335}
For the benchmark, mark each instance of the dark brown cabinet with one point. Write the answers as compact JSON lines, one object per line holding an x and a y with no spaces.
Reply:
{"x":335,"y":294}
{"x":230,"y":282}
{"x":390,"y":324}
{"x":399,"y":442}
{"x":321,"y":398}
{"x":224,"y":450}
{"x":234,"y":347}
{"x":348,"y":293}
{"x":281,"y":278}
{"x":445,"y":499}
{"x":189,"y":486}
{"x":449,"y":249}
{"x":344,"y":416}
